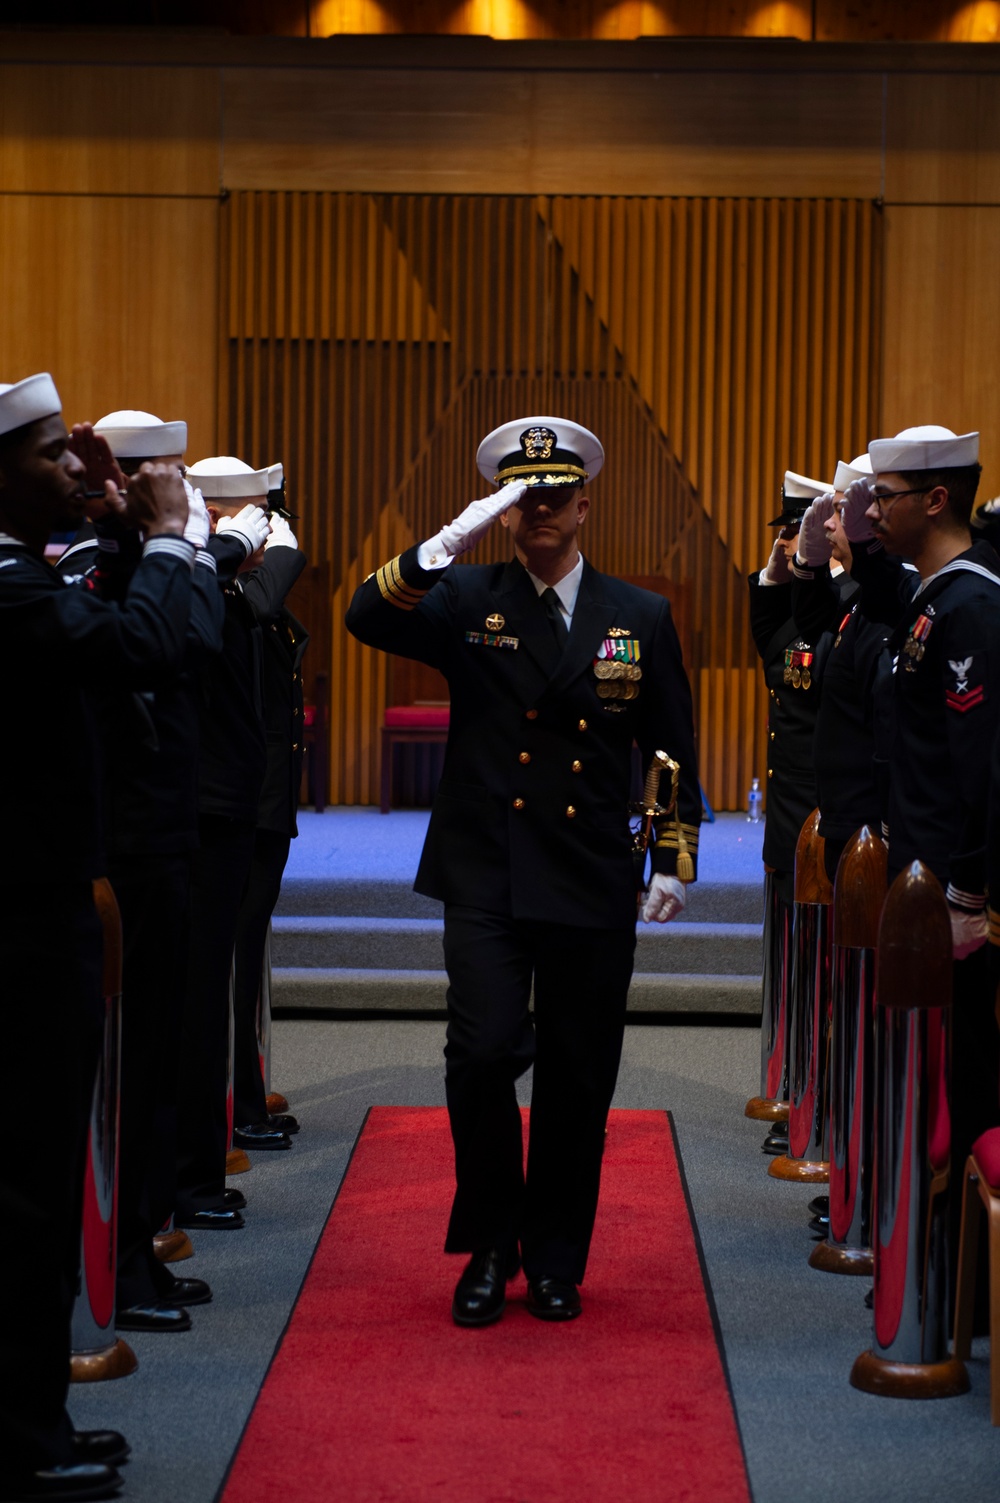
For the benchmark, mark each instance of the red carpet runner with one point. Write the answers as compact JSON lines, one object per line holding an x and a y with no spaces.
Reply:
{"x":375,"y":1396}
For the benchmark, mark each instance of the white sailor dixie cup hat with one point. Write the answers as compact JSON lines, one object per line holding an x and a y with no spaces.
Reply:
{"x":27,"y":401}
{"x":139,"y":435}
{"x":846,"y":473}
{"x":928,"y":447}
{"x":224,"y":478}
{"x":540,"y":451}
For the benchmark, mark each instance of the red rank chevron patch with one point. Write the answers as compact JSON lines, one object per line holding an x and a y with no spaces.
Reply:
{"x":967,"y":701}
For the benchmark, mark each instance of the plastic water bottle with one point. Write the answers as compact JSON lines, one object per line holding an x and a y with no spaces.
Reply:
{"x":755,"y":800}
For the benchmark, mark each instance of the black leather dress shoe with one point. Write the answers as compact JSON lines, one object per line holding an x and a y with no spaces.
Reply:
{"x":554,"y":1299}
{"x":777,"y":1139}
{"x":211,"y":1221}
{"x":107,"y":1446}
{"x":157,"y":1316}
{"x":481,"y":1292}
{"x":870,"y":1299}
{"x":187,"y":1292}
{"x":260,"y":1135}
{"x":234,"y":1200}
{"x":80,"y":1480}
{"x":284,"y":1122}
{"x":820,"y":1206}
{"x":819,"y":1226}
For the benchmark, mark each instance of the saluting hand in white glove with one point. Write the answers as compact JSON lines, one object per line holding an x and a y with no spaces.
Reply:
{"x":664,"y":900}
{"x":815,"y":544}
{"x":469,"y":526}
{"x":857,"y":499}
{"x":969,"y":932}
{"x":199,"y":523}
{"x":777,"y":570}
{"x":282,"y":535}
{"x":250,"y":525}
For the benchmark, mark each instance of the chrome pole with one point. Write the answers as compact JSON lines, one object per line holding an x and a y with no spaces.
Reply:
{"x":908,"y":1357}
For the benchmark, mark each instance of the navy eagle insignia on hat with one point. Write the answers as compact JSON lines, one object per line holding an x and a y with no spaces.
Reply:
{"x":540,"y":451}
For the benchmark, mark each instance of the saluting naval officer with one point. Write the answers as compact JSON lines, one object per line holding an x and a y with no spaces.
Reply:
{"x":554,"y":669}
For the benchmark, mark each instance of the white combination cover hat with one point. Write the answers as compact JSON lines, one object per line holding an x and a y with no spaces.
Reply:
{"x":540,"y":451}
{"x":275,"y":476}
{"x":140,"y":435}
{"x":856,"y":470}
{"x":800,"y":488}
{"x":224,"y":478}
{"x":28,"y":401}
{"x":928,"y":447}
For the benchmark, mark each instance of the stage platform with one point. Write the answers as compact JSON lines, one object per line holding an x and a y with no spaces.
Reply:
{"x":351,"y":937}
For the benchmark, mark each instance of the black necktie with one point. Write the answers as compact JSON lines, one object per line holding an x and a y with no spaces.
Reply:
{"x":556,"y":618}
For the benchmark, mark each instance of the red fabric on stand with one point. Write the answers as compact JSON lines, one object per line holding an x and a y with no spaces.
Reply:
{"x":375,"y":1396}
{"x":417,"y":717}
{"x":986,"y":1152}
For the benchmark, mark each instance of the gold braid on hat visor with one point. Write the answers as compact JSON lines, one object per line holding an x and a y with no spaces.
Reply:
{"x":545,"y":474}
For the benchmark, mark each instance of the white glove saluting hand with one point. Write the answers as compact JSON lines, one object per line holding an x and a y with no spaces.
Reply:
{"x":250,"y":525}
{"x":857,"y":499}
{"x":777,"y":570}
{"x":282,"y":535}
{"x":472,"y":524}
{"x":815,"y":545}
{"x":969,"y":932}
{"x":664,"y":900}
{"x":199,"y":523}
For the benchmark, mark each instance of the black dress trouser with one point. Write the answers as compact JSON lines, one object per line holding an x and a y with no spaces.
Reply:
{"x":270,"y":852}
{"x":581,"y":979}
{"x":52,"y":1017}
{"x":219,"y":872}
{"x":153,"y":895}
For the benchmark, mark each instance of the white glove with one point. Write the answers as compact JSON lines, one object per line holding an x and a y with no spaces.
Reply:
{"x":472,"y":524}
{"x":199,"y":524}
{"x":857,"y":499}
{"x":815,"y":545}
{"x":664,"y":900}
{"x":282,"y":535}
{"x":777,"y":570}
{"x":250,"y":525}
{"x":969,"y":931}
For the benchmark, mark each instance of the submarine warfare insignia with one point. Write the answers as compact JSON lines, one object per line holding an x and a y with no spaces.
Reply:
{"x":798,"y":665}
{"x":495,"y":622}
{"x":915,"y":645}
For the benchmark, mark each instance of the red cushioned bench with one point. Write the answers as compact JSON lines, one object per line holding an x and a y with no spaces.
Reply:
{"x":407,"y":725}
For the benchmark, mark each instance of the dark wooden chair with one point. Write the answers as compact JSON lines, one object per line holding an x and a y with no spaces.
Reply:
{"x":418,"y":715}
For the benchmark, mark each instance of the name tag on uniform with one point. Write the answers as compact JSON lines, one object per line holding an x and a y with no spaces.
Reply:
{"x":491,"y":639}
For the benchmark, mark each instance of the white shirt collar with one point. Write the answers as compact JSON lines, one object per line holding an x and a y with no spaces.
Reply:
{"x":567,"y":589}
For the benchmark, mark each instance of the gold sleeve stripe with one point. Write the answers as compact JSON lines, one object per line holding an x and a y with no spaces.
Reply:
{"x":394,"y":588}
{"x":667,"y":838}
{"x":994,"y":927}
{"x":402,"y":588}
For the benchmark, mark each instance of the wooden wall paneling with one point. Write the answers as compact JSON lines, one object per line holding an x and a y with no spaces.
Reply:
{"x":942,"y":138}
{"x":427,"y":131}
{"x":942,"y":324}
{"x":118,"y":299}
{"x":66,"y":129}
{"x":530,"y":304}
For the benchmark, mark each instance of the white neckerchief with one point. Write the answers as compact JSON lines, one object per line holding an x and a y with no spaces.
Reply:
{"x":567,"y":589}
